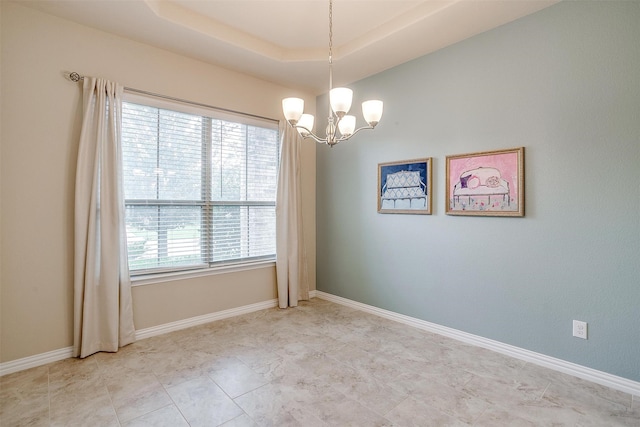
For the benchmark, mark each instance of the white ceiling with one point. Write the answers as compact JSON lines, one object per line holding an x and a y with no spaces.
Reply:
{"x":287,"y":41}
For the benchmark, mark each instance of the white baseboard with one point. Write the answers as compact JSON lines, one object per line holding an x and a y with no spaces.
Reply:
{"x":34,"y":361}
{"x":200,"y":320}
{"x":599,"y":377}
{"x":65,"y":353}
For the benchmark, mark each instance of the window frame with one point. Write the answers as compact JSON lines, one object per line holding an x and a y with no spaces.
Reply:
{"x":206,"y":203}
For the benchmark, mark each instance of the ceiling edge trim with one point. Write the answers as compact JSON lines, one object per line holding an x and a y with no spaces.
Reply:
{"x":210,"y":27}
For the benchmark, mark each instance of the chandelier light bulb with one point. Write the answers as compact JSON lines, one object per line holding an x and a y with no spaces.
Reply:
{"x":347,"y":125}
{"x":372,"y":111}
{"x":293,"y":109}
{"x":306,"y":122}
{"x":340,"y":100}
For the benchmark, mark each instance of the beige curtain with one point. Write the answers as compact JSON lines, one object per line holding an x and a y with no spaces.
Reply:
{"x":291,"y":260}
{"x":103,"y":315}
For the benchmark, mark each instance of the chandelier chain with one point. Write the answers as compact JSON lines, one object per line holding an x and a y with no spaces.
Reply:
{"x":338,"y":120}
{"x":330,"y":31}
{"x":330,"y":56}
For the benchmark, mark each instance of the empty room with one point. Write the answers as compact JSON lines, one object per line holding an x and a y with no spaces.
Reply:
{"x":319,"y":213}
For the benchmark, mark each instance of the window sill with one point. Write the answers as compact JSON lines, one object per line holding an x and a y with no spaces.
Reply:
{"x":151,"y":279}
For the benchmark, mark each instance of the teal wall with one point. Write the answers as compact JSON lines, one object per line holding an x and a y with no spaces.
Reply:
{"x":565,"y":84}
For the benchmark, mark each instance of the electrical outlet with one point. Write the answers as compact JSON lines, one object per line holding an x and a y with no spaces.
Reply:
{"x":580,"y":329}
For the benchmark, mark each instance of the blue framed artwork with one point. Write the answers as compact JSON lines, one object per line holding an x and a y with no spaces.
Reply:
{"x":405,"y":187}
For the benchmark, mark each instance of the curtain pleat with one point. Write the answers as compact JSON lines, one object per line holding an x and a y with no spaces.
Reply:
{"x":103,"y":313}
{"x":291,"y":261}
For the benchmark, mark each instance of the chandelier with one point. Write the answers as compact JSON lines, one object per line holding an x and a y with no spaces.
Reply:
{"x":341,"y":126}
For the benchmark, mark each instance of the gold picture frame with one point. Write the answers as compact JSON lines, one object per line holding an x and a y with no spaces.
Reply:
{"x":488,"y":183}
{"x":405,"y":187}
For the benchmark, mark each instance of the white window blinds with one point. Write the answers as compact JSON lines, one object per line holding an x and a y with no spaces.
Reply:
{"x":200,"y":186}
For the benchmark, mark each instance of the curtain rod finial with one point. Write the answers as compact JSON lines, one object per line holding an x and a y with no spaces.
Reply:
{"x":75,"y":77}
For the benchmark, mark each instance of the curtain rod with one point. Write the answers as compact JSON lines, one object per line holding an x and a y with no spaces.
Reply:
{"x":75,"y":77}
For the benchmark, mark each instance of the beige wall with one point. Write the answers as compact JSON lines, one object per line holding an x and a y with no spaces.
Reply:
{"x":40,"y":126}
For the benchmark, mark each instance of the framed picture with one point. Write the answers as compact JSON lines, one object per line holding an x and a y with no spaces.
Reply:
{"x":405,"y":187}
{"x":490,"y":183}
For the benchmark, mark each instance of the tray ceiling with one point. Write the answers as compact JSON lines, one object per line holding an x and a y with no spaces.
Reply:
{"x":286,"y":41}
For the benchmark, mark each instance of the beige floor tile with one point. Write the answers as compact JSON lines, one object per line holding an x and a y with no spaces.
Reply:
{"x":291,"y":418}
{"x":544,"y":412}
{"x":91,"y":408}
{"x":25,"y":413}
{"x":571,"y":390}
{"x":176,"y":365}
{"x":592,"y":404}
{"x":412,"y":413}
{"x":252,"y":355}
{"x":453,"y":402}
{"x":243,"y":420}
{"x":273,"y":369}
{"x":24,"y":398}
{"x":502,"y":391}
{"x":203,"y":403}
{"x":496,"y":416}
{"x":169,"y":416}
{"x":25,"y":383}
{"x":127,"y":359}
{"x":279,"y":404}
{"x":455,"y":377}
{"x":318,"y":364}
{"x":235,"y":378}
{"x":77,"y":392}
{"x":376,"y":395}
{"x":200,"y":338}
{"x":410,"y":383}
{"x":318,"y":342}
{"x":135,"y":394}
{"x":337,"y":410}
{"x":73,"y":376}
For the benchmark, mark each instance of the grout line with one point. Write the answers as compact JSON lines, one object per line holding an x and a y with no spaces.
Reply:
{"x":100,"y":370}
{"x":545,"y":390}
{"x":49,"y":391}
{"x":475,"y":422}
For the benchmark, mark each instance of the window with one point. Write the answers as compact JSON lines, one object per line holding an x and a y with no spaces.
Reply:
{"x":199,"y":186}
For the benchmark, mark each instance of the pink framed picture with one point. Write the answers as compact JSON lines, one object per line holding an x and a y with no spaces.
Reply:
{"x":489,"y":183}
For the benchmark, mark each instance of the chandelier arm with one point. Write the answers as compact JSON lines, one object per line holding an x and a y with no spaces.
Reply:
{"x":302,"y":127}
{"x":344,"y":138}
{"x":311,"y":135}
{"x":318,"y":139}
{"x":315,"y":137}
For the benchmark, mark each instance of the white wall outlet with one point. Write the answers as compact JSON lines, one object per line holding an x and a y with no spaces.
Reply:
{"x":580,"y":329}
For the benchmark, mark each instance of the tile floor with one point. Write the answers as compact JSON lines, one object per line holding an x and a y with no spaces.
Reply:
{"x":320,"y":364}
